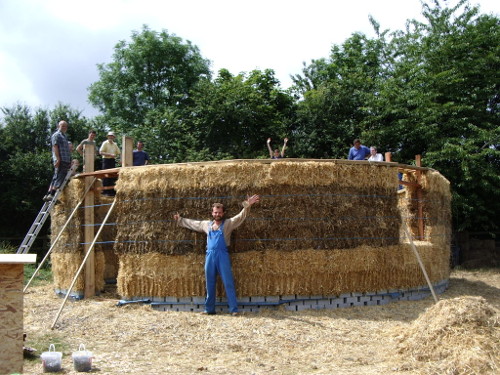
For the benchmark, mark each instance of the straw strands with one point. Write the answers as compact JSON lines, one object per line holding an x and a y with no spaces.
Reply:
{"x":459,"y":336}
{"x":322,"y":227}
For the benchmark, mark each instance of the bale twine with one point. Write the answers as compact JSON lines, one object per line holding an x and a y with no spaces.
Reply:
{"x":68,"y":253}
{"x":322,"y":227}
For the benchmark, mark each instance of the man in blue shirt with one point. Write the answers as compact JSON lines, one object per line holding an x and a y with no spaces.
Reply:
{"x":358,"y":151}
{"x":61,"y":157}
{"x":140,"y":157}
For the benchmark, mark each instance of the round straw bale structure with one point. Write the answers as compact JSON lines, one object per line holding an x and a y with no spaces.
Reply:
{"x":327,"y":231}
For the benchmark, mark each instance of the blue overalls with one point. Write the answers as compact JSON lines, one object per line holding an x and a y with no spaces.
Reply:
{"x":217,"y":261}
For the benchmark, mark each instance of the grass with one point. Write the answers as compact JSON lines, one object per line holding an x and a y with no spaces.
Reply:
{"x":43,"y":276}
{"x":41,"y":344}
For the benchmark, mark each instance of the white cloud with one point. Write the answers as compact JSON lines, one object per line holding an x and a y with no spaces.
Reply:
{"x":50,"y":48}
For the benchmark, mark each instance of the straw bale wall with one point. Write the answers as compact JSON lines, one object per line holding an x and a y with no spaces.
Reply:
{"x":68,"y":253}
{"x":321,"y":228}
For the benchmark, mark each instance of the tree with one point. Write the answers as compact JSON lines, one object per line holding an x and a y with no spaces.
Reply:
{"x":153,"y":72}
{"x":335,"y":92}
{"x":233,"y":116}
{"x":26,"y":161}
{"x":432,"y":89}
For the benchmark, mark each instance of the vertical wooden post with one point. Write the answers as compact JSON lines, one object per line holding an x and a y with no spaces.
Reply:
{"x":127,"y":151}
{"x":89,"y":155}
{"x":388,"y":156}
{"x":420,"y":209}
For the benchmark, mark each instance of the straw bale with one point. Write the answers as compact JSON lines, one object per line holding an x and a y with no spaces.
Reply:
{"x":310,"y":204}
{"x":68,"y":253}
{"x":306,"y":272}
{"x":322,"y":227}
{"x":65,"y":266}
{"x":458,"y":336}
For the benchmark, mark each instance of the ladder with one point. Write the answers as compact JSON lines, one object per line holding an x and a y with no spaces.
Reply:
{"x":42,"y":216}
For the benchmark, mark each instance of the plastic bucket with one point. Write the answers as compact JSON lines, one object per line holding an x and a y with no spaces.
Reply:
{"x":82,"y":359}
{"x":51,"y":360}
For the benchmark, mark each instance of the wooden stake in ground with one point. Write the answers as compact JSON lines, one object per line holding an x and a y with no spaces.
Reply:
{"x":83,"y":263}
{"x":420,"y":263}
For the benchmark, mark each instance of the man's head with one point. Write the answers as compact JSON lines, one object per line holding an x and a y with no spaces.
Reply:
{"x":62,"y":126}
{"x":356,"y":143}
{"x":218,"y":211}
{"x":140,"y":145}
{"x":373,"y":150}
{"x":92,"y":135}
{"x":111,"y":136}
{"x":277,"y":153}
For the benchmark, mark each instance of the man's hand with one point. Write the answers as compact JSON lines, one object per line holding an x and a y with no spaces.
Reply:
{"x":268,"y":140}
{"x":285,"y":140}
{"x":176,"y":216}
{"x":57,"y":163}
{"x":253,"y":199}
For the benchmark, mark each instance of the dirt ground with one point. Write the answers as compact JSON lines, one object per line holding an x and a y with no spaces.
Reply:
{"x":135,"y":339}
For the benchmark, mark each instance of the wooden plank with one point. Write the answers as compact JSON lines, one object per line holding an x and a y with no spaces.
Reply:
{"x":11,"y":317}
{"x":420,"y":207}
{"x":127,"y":151}
{"x":89,"y":226}
{"x":17,"y":258}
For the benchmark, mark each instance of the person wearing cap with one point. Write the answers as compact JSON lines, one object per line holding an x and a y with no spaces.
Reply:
{"x":109,"y":151}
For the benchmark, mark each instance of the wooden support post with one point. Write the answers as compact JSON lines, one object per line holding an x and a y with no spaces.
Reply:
{"x":388,"y":157}
{"x":420,"y":209}
{"x":127,"y":151}
{"x":89,"y":155}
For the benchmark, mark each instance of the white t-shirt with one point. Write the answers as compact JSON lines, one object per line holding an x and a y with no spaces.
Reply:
{"x":376,"y":157}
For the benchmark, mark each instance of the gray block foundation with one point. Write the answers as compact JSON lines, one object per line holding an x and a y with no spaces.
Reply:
{"x":292,"y":302}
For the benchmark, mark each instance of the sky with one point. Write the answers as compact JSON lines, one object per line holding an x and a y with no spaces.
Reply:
{"x":50,"y":49}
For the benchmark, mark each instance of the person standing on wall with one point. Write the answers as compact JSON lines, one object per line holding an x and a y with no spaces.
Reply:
{"x":217,"y":259}
{"x":109,"y":151}
{"x":140,"y":157}
{"x":374,"y":156}
{"x":358,"y":151}
{"x":276,"y":154}
{"x":61,"y":157}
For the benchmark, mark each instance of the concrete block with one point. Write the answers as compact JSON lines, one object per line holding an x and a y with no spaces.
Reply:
{"x":185,"y":299}
{"x":272,"y":298}
{"x":257,"y":299}
{"x":171,"y":299}
{"x":364,"y":299}
{"x":199,"y":300}
{"x":350,"y":300}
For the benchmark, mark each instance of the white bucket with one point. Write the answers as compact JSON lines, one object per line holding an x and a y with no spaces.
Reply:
{"x":51,"y":360}
{"x":82,"y":359}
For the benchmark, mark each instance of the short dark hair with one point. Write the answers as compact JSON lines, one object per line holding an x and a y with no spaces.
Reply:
{"x":92,"y":131}
{"x":356,"y":141}
{"x":218,"y":205}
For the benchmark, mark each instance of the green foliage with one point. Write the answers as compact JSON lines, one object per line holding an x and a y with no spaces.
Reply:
{"x":432,"y":89}
{"x":43,"y":276}
{"x":26,"y":161}
{"x":153,"y":72}
{"x":234,"y":115}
